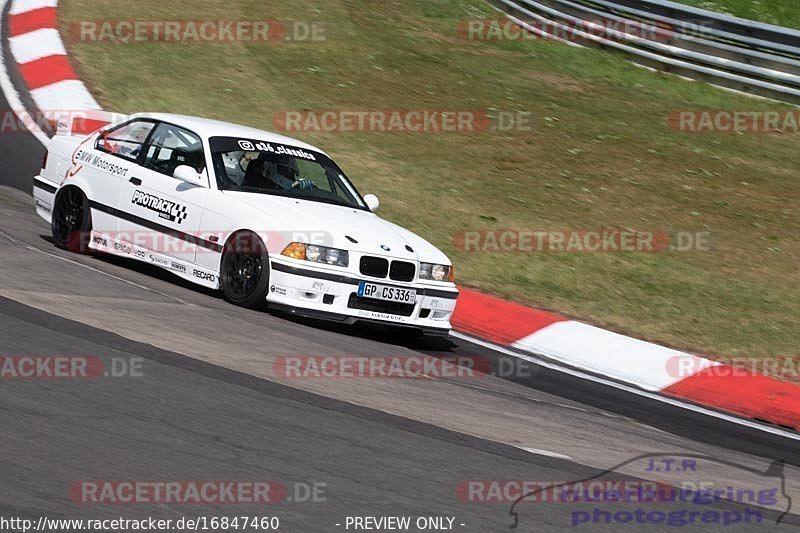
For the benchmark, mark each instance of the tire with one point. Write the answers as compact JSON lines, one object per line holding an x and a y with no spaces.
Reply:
{"x":244,"y":270}
{"x":71,"y":223}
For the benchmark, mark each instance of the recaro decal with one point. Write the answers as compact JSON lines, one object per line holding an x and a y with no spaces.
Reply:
{"x":171,"y":211}
{"x":204,"y":275}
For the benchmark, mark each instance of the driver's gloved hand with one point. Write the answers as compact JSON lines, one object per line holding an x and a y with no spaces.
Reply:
{"x":302,"y":184}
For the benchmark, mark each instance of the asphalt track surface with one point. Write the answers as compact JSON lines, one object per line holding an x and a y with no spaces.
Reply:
{"x":208,"y":406}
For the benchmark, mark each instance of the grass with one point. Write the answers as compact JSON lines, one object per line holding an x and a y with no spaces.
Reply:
{"x":600,"y":156}
{"x":779,"y":12}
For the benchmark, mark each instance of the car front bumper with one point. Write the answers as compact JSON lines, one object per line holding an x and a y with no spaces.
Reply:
{"x":321,"y":293}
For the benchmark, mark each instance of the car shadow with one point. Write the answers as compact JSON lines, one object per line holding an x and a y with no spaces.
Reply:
{"x":146,"y":269}
{"x":374,"y":332}
{"x":362,"y":330}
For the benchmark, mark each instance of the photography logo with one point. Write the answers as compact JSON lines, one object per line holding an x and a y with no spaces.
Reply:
{"x":672,"y":490}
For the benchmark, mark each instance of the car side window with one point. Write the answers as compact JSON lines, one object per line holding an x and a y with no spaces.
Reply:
{"x":125,"y":141}
{"x":172,"y":146}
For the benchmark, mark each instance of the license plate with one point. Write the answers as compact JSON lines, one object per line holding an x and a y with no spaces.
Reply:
{"x":386,"y":293}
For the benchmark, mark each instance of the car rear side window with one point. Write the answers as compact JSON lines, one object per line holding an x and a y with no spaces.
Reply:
{"x":171,"y":147}
{"x":125,"y":141}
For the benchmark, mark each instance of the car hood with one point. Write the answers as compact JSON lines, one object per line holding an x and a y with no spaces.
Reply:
{"x":340,"y":227}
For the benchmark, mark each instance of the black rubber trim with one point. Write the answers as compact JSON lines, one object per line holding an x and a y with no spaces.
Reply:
{"x":41,"y":184}
{"x":155,"y":226}
{"x":338,"y":278}
{"x":349,"y":320}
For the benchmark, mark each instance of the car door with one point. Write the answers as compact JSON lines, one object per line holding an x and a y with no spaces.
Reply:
{"x":159,"y":212}
{"x":107,"y":162}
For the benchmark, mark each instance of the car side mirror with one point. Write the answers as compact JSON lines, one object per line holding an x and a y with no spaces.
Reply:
{"x":189,"y":175}
{"x":372,"y":202}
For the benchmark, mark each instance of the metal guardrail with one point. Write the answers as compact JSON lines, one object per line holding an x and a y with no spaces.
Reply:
{"x":752,"y":57}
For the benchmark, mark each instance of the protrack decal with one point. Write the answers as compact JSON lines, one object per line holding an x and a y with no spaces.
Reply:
{"x":171,"y":211}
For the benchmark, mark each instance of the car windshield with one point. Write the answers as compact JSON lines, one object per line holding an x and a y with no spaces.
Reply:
{"x":249,"y":165}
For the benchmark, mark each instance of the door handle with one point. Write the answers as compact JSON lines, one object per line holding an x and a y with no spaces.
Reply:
{"x":135,"y":181}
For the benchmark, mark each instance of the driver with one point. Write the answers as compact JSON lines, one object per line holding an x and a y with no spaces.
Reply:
{"x":284,"y":173}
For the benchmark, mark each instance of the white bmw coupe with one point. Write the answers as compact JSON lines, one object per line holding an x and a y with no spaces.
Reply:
{"x":262,"y":217}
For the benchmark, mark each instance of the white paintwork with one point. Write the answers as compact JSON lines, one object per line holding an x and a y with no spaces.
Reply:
{"x":189,"y":175}
{"x":611,"y":354}
{"x":35,"y":45}
{"x":214,"y":215}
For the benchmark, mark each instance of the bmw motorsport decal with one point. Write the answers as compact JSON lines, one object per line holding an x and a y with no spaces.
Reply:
{"x":171,"y":211}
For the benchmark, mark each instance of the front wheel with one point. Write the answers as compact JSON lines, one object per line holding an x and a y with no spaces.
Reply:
{"x":71,"y":223}
{"x":244,"y":273}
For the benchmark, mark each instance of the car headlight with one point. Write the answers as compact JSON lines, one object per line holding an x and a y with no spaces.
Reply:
{"x":436,"y":272}
{"x":317,"y":254}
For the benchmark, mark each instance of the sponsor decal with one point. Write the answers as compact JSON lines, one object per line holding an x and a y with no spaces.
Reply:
{"x":280,"y":291}
{"x":279,"y":149}
{"x":380,"y":316}
{"x":100,"y":241}
{"x":159,"y":260}
{"x":178,"y":267}
{"x":166,"y":209}
{"x":139,"y":253}
{"x":124,"y":248}
{"x":99,"y":162}
{"x":199,"y":274}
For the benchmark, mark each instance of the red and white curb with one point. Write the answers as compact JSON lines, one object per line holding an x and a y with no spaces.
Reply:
{"x":647,"y":366}
{"x":657,"y":371}
{"x":42,"y":60}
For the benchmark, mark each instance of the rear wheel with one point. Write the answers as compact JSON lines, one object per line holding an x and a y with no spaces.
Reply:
{"x":244,"y":273}
{"x":71,"y":223}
